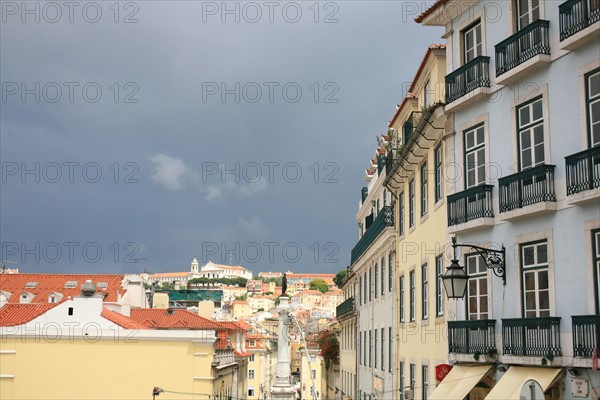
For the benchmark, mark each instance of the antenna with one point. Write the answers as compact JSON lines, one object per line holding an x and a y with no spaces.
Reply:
{"x":143,"y":259}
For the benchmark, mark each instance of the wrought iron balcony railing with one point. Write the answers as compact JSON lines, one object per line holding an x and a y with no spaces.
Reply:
{"x":470,"y":204}
{"x":470,"y":337}
{"x":531,"y":336}
{"x":583,"y":170}
{"x":523,"y":45}
{"x":384,"y":219}
{"x":472,"y":75}
{"x":586,"y":334}
{"x":530,"y":186}
{"x":576,"y":15}
{"x":410,"y":125}
{"x":345,"y":308}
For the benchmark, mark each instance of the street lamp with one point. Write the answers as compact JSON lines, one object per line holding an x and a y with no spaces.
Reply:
{"x":455,"y":279}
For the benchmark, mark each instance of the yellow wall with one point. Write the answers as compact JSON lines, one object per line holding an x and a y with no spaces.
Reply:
{"x":103,"y":370}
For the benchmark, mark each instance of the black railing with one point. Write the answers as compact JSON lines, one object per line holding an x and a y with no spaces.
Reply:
{"x":531,"y":336}
{"x":523,"y":45}
{"x":586,"y":334}
{"x":583,"y":170}
{"x":470,"y":337}
{"x":530,"y":186}
{"x":576,"y":15}
{"x":470,"y":204}
{"x":383,"y":220}
{"x":345,"y":308}
{"x":472,"y":75}
{"x":410,"y":125}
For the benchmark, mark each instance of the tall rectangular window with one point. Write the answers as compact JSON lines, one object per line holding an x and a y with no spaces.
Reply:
{"x":391,"y":272}
{"x":438,"y":161}
{"x":376,"y":280}
{"x":527,"y":11}
{"x":370,"y":349}
{"x":382,"y":365}
{"x":360,"y":291}
{"x":401,"y":377}
{"x":412,"y":295}
{"x":477,"y":289}
{"x":592,"y":97}
{"x":360,"y":338}
{"x":424,"y":291}
{"x":365,"y":288}
{"x":401,"y":291}
{"x":530,"y":134}
{"x":425,"y":379}
{"x":426,"y":89}
{"x":424,"y":189}
{"x":596,"y":266}
{"x":474,"y":142}
{"x":411,"y":203}
{"x":376,"y":343}
{"x":439,"y":295}
{"x":382,"y":275}
{"x":366,"y":345}
{"x":471,"y":41}
{"x":413,"y":375}
{"x":390,"y":349}
{"x":250,"y":374}
{"x":536,"y":288}
{"x":401,"y":212}
{"x":370,"y":284}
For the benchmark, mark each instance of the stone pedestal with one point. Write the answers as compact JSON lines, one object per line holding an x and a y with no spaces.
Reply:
{"x":283,"y":389}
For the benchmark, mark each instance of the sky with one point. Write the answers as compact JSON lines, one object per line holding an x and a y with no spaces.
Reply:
{"x":139,"y":135}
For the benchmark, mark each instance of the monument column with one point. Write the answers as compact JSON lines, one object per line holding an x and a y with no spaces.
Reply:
{"x":283,"y":389}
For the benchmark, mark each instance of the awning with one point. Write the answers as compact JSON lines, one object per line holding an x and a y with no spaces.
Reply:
{"x":509,"y":386}
{"x":459,"y":382}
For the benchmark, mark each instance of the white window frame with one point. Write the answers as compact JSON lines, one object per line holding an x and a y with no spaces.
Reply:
{"x":528,"y":130}
{"x":478,"y":150}
{"x":479,"y":276}
{"x":535,"y":269}
{"x":474,"y":30}
{"x":590,"y":101}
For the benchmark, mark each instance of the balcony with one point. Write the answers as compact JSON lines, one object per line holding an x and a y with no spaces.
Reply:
{"x":586,"y":334}
{"x":583,"y":175}
{"x":526,"y":188}
{"x":471,"y":337}
{"x":576,"y":16}
{"x":384,"y":219}
{"x":523,"y":52}
{"x":473,"y":78}
{"x":531,"y":336}
{"x":469,"y":205}
{"x":345,"y":309}
{"x":410,"y":125}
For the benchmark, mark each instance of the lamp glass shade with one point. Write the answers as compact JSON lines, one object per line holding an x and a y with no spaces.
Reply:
{"x":455,"y":281}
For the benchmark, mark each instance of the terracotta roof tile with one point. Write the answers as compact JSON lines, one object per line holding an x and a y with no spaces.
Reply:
{"x":49,"y":283}
{"x":179,"y":319}
{"x":18,"y":314}
{"x":121,"y":320}
{"x":430,"y":10}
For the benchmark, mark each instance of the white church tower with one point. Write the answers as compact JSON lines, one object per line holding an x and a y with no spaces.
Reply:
{"x":194,"y":265}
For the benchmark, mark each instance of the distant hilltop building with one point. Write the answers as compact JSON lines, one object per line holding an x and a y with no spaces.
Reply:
{"x":208,"y":270}
{"x":270,"y":275}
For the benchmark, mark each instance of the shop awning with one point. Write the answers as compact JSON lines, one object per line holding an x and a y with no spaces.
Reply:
{"x":509,"y":386}
{"x":459,"y":382}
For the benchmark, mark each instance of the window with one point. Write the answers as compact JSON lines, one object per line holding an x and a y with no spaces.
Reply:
{"x":471,"y":41}
{"x":477,"y":288}
{"x":439,"y":295}
{"x":360,"y":291}
{"x":250,"y":392}
{"x":250,"y":374}
{"x":424,"y":189}
{"x":438,"y":161}
{"x":530,"y":132}
{"x":370,"y":284}
{"x":401,"y":306}
{"x":527,"y":11}
{"x":375,"y":283}
{"x":412,"y":296}
{"x":424,"y":291}
{"x":536,"y":291}
{"x":425,"y":387}
{"x":370,"y":349}
{"x":412,"y":377}
{"x":426,"y":89}
{"x":382,"y":275}
{"x":251,"y":358}
{"x":391,"y":273}
{"x":401,"y":212}
{"x":313,"y":374}
{"x":411,"y":203}
{"x":376,"y":341}
{"x":365,"y":349}
{"x":596,"y":264}
{"x":592,"y":95}
{"x":474,"y":139}
{"x":70,"y":311}
{"x":401,"y":377}
{"x":390,"y":347}
{"x":252,"y":343}
{"x":52,"y":299}
{"x":382,"y":349}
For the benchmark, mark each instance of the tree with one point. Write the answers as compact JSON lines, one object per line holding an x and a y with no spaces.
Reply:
{"x":242,"y":298}
{"x":319,"y":284}
{"x":340,"y":277}
{"x":330,"y":348}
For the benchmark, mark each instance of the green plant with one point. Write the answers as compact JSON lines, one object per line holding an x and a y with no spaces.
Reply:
{"x":477,"y":355}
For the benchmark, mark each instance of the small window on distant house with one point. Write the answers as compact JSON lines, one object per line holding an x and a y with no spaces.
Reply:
{"x":252,"y":343}
{"x":70,"y":311}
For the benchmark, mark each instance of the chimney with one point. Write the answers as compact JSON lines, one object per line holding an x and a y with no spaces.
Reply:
{"x":88,"y":288}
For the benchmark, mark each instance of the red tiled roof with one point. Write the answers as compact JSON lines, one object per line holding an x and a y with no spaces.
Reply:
{"x":122,"y":320}
{"x":430,"y":10}
{"x":299,"y":276}
{"x":12,"y":314}
{"x":179,"y":319}
{"x":233,"y":267}
{"x":168,"y":274}
{"x":233,"y":326}
{"x":49,"y":283}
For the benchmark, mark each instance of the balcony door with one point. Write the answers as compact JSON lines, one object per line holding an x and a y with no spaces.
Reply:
{"x":477,"y":291}
{"x":527,"y":11}
{"x":472,"y":48}
{"x":535,"y":280}
{"x":530,"y":131}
